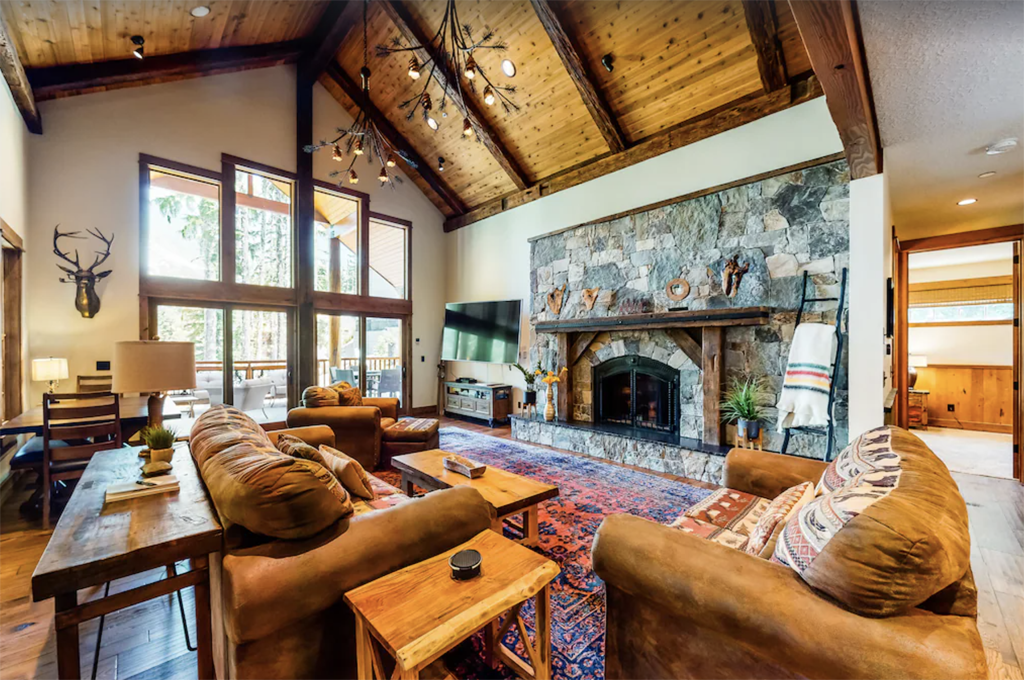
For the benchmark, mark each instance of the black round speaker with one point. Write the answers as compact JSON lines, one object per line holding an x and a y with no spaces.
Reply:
{"x":465,"y":564}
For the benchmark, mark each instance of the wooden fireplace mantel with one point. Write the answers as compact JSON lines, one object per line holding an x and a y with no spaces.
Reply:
{"x":698,"y":333}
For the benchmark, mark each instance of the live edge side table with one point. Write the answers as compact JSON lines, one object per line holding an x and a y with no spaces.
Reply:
{"x":418,"y":613}
{"x":93,"y":544}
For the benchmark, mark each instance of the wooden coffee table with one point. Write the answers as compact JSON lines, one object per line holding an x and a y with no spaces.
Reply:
{"x":509,"y":493}
{"x":420,"y":612}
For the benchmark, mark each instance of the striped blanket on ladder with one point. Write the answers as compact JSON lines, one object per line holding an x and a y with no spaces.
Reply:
{"x":804,"y":399}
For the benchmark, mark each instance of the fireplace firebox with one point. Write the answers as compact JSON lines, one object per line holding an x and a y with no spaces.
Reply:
{"x":637,"y":392}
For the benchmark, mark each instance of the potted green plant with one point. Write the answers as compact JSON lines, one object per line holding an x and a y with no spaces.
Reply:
{"x":530,"y":377}
{"x":742,"y":405}
{"x":160,"y":441}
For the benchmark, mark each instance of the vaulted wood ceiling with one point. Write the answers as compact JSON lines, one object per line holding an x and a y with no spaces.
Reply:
{"x":681,"y":71}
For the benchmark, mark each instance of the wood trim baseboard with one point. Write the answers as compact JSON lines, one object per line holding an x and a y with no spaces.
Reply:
{"x":957,"y":324}
{"x":424,"y":411}
{"x":950,"y":424}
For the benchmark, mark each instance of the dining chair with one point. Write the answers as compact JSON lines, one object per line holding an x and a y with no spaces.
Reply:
{"x":390,"y":382}
{"x":343,"y":374}
{"x":86,"y":423}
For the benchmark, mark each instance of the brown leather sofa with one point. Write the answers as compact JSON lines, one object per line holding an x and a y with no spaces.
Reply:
{"x":680,"y":606}
{"x":277,"y":604}
{"x":357,"y":428}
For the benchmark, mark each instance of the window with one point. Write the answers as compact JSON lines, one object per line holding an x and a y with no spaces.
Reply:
{"x":203,"y":326}
{"x":263,"y":230}
{"x":259,"y":368}
{"x":336,"y":240}
{"x":384,"y":369}
{"x":337,"y":349}
{"x":388,"y":261}
{"x":962,"y":302}
{"x":184,"y":226}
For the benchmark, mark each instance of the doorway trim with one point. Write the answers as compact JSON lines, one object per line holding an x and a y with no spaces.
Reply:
{"x":1009,"y":234}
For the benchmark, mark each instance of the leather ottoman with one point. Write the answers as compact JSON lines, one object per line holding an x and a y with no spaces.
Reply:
{"x":408,"y":435}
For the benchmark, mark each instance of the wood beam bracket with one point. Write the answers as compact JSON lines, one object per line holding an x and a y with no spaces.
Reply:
{"x":764,"y":34}
{"x":18,"y":82}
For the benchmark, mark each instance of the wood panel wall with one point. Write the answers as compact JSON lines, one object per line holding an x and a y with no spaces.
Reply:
{"x":982,"y":396}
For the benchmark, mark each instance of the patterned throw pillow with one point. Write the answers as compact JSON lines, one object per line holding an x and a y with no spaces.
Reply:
{"x":316,"y":397}
{"x":779,"y":511}
{"x":348,"y":471}
{"x":296,"y":448}
{"x":347,"y":395}
{"x":737,"y":511}
{"x":696,"y":527}
{"x":867,"y":453}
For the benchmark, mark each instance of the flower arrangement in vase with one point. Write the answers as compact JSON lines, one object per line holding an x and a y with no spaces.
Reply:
{"x":530,"y":377}
{"x":550,"y":379}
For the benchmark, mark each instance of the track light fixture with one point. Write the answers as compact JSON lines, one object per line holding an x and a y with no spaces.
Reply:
{"x":138,"y":41}
{"x":467,"y":127}
{"x":440,"y":163}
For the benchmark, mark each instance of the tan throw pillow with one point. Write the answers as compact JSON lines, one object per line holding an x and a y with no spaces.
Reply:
{"x":296,"y":448}
{"x":779,"y":511}
{"x":349,"y":396}
{"x":348,"y":471}
{"x":327,"y":478}
{"x":316,"y":397}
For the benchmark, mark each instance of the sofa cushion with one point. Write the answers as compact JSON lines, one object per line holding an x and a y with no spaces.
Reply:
{"x":254,"y":485}
{"x":868,"y":452}
{"x":730,"y":509}
{"x":348,"y":471}
{"x":888,"y":540}
{"x":711,"y":532}
{"x":315,"y":397}
{"x":779,"y":511}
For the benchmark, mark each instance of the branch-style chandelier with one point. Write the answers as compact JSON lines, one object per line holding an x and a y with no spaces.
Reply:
{"x":363,"y":138}
{"x":453,"y":45}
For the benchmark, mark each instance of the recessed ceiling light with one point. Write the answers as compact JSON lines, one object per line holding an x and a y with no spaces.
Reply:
{"x":432,"y":123}
{"x":200,"y":11}
{"x":1002,"y":146}
{"x":508,"y":68}
{"x":985,"y":175}
{"x":967,"y":201}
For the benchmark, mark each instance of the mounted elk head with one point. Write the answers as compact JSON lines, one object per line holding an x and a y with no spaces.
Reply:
{"x":86,"y":300}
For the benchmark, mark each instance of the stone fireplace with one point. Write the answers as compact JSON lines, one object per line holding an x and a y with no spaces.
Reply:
{"x":646,"y":392}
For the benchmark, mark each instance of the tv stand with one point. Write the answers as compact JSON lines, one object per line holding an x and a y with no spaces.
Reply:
{"x":489,"y":401}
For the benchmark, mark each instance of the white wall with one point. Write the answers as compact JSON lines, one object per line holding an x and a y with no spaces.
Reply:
{"x":490,"y":260}
{"x":84,"y":174}
{"x":14,"y":198}
{"x":870,"y":265}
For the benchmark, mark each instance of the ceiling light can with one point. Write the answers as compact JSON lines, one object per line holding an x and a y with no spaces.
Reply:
{"x":967,"y":201}
{"x":1001,"y":146}
{"x":508,"y":67}
{"x":986,"y":175}
{"x":200,"y":11}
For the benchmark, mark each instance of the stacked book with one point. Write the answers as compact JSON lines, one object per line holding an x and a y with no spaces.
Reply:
{"x":147,"y":487}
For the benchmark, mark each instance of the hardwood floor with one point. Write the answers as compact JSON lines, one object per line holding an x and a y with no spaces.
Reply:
{"x":147,"y":642}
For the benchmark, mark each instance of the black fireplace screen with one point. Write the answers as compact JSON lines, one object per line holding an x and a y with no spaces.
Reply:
{"x":637,"y":392}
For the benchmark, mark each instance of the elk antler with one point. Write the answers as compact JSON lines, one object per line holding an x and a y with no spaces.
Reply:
{"x":101,"y":257}
{"x":62,"y":255}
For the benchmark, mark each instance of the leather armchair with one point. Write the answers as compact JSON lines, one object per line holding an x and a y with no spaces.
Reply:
{"x":357,"y":429}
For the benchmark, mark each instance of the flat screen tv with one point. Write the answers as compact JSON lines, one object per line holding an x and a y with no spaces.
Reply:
{"x":481,"y":331}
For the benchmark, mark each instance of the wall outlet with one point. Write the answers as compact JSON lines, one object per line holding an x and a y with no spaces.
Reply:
{"x":950,"y":408}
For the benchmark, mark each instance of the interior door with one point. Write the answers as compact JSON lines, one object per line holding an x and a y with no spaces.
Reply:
{"x":1018,"y":370}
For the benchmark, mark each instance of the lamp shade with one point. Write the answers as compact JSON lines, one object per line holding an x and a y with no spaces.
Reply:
{"x":49,"y":369}
{"x":153,"y":366}
{"x":917,"y":361}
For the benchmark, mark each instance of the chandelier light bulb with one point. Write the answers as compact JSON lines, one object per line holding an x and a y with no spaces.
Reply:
{"x":488,"y":95}
{"x":358,"y":148}
{"x":471,"y":68}
{"x":467,"y":127}
{"x":383,"y":176}
{"x":414,"y":69}
{"x":391,"y":162}
{"x":353,"y":178}
{"x":336,"y":153}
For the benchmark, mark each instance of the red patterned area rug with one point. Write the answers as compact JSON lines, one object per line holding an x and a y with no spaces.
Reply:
{"x":589,"y":491}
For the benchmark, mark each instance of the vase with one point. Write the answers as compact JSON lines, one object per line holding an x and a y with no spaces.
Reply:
{"x":749,"y":429}
{"x":161,"y":455}
{"x":549,"y":408}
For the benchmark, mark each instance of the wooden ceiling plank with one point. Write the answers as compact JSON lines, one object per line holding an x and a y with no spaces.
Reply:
{"x":56,"y":81}
{"x":727,"y":117}
{"x":831,"y":33}
{"x":17,"y":81}
{"x":336,"y":23}
{"x":764,"y":33}
{"x":414,"y":35}
{"x":581,"y":77}
{"x":395,"y":138}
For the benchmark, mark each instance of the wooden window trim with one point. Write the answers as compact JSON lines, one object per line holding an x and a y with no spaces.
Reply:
{"x":957,"y":324}
{"x":962,"y":283}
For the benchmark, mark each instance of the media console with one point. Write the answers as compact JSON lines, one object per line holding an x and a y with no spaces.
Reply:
{"x":489,"y":401}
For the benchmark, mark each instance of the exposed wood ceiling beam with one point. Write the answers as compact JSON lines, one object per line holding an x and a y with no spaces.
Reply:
{"x":764,"y":33}
{"x":57,"y":81}
{"x":830,"y":30}
{"x":414,"y":35}
{"x":581,"y":76}
{"x":727,"y":117}
{"x":395,"y":138}
{"x":17,"y":81}
{"x":325,"y":40}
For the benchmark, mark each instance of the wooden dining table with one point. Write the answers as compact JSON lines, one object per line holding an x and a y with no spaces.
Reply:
{"x":134,"y":416}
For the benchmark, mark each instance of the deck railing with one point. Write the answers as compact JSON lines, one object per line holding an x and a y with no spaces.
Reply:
{"x":248,"y":370}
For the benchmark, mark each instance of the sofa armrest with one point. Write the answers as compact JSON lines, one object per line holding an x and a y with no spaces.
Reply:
{"x":274,"y":585}
{"x":768,"y":474}
{"x":314,"y":435}
{"x":388,"y":406}
{"x":767,"y":609}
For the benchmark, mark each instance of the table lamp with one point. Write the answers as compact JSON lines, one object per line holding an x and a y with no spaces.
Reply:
{"x":915,"y":361}
{"x":154,"y":367}
{"x":50,"y":369}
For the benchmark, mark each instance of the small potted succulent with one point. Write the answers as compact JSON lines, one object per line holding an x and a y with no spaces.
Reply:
{"x":530,"y":377}
{"x":742,"y":405}
{"x":160,"y":441}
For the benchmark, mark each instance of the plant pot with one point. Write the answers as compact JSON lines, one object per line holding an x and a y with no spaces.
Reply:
{"x":530,"y":398}
{"x":748,"y":428}
{"x":161,"y":455}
